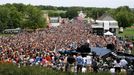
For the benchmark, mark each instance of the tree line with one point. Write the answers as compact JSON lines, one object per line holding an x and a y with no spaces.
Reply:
{"x":22,"y":16}
{"x":28,"y":16}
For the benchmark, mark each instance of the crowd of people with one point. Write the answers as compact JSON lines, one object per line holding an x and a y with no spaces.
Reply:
{"x":41,"y":46}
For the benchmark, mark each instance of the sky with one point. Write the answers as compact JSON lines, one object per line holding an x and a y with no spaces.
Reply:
{"x":69,"y":3}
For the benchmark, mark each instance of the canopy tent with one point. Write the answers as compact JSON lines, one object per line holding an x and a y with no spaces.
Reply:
{"x":108,"y":33}
{"x":100,"y":51}
{"x":119,"y":55}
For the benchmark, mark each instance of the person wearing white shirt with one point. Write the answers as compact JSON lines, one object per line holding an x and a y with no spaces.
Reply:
{"x":123,"y":62}
{"x":117,"y":66}
{"x":79,"y":61}
{"x":112,"y":71}
{"x":88,"y":62}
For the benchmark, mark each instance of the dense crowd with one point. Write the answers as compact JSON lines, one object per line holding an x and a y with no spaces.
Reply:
{"x":41,"y":46}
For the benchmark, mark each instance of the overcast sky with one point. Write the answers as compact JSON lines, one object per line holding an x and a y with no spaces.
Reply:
{"x":68,"y":3}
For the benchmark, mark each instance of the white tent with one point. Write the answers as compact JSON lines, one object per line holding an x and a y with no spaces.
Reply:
{"x":108,"y":33}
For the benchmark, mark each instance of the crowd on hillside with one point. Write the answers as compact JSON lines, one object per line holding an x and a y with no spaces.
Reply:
{"x":40,"y":47}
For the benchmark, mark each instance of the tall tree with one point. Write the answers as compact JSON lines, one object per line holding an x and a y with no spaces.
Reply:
{"x":34,"y":18}
{"x":15,"y":18}
{"x":71,"y":13}
{"x":20,"y":7}
{"x":124,"y":16}
{"x":4,"y":17}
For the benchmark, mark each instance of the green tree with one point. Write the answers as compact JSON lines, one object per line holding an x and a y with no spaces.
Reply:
{"x":53,"y":14}
{"x":4,"y":17}
{"x":15,"y":18}
{"x":34,"y":18}
{"x":123,"y":8}
{"x":19,"y":7}
{"x":72,"y":12}
{"x":19,"y":15}
{"x":121,"y":18}
{"x":63,"y":15}
{"x":124,"y":16}
{"x":97,"y":12}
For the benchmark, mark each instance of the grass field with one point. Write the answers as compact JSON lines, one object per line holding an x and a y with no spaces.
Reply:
{"x":9,"y":69}
{"x":127,"y":32}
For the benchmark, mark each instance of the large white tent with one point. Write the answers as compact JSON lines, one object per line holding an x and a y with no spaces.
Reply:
{"x":108,"y":33}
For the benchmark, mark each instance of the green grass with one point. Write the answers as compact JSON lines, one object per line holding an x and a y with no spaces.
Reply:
{"x":128,"y":32}
{"x":9,"y":69}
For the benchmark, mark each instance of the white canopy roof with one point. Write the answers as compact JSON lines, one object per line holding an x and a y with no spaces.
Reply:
{"x":101,"y":21}
{"x":108,"y":33}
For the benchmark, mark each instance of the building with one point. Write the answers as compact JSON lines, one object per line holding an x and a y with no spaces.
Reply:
{"x":104,"y":24}
{"x":54,"y":21}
